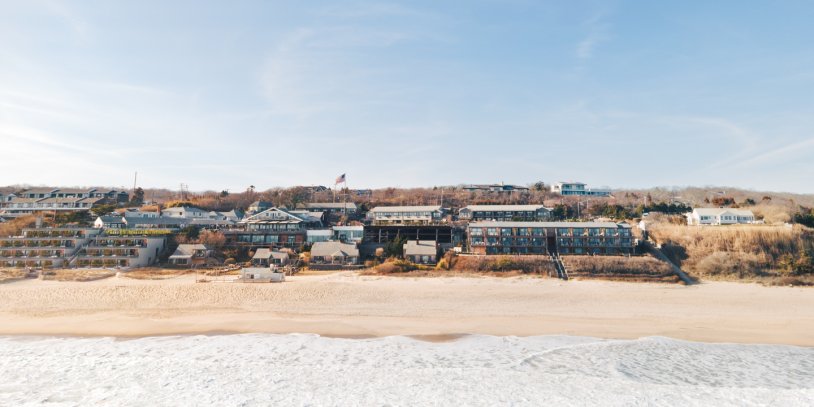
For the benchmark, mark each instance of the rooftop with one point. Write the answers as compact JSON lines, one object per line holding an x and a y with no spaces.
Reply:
{"x":486,"y":224}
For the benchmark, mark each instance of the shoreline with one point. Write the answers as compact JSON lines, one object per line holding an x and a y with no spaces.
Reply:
{"x":439,"y":309}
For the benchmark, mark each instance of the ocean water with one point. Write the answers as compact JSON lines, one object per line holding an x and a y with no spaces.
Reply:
{"x":264,"y":369}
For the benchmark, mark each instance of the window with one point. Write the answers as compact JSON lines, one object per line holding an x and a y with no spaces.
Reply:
{"x":476,"y":231}
{"x":491,"y":231}
{"x":506,"y":232}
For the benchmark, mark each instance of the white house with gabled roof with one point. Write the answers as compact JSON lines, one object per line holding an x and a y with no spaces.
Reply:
{"x":720,"y":216}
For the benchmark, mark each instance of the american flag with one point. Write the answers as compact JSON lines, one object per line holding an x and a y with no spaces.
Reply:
{"x":340,"y":179}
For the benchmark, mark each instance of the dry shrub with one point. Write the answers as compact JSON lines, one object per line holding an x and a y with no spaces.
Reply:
{"x":524,"y":264}
{"x":14,"y":227}
{"x":737,"y":264}
{"x":12,"y":274}
{"x":394,"y":266}
{"x":772,"y":214}
{"x":743,"y":251}
{"x":644,"y":269}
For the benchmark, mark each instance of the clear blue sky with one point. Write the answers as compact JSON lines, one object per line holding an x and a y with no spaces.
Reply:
{"x":222,"y":95}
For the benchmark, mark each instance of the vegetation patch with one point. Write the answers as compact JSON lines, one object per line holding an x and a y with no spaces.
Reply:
{"x":767,"y":254}
{"x":618,"y":268}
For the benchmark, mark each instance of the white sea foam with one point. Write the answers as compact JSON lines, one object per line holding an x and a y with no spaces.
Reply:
{"x":262,"y":369}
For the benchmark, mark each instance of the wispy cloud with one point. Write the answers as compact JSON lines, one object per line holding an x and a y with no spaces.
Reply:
{"x":596,"y":32}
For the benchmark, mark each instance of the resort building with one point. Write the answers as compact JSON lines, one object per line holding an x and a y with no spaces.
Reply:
{"x":192,"y":255}
{"x":44,"y":247}
{"x":421,"y":251}
{"x":720,"y":216}
{"x":59,"y":200}
{"x":550,"y":238}
{"x":265,"y":257}
{"x":121,"y":251}
{"x":578,"y":189}
{"x":334,"y":254}
{"x":406,"y":215}
{"x":527,"y":213}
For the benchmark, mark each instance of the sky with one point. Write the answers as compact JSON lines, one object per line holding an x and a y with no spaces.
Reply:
{"x":222,"y":95}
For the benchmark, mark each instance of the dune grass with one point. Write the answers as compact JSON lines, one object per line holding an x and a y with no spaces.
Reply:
{"x":743,"y":252}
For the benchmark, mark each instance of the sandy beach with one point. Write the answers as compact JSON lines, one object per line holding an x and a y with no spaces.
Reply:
{"x":348,"y":305}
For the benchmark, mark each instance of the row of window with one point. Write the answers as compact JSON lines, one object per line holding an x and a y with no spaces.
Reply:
{"x":522,"y":241}
{"x":542,"y":232}
{"x":260,"y":239}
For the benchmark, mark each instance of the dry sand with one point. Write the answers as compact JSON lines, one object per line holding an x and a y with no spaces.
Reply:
{"x":345,"y":304}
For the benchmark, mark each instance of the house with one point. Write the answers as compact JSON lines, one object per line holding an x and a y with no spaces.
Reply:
{"x":187,"y":212}
{"x":109,"y":222}
{"x":264,"y":257}
{"x":234,"y":215}
{"x":406,"y":215}
{"x":348,"y":234}
{"x":500,"y":188}
{"x":274,"y":227}
{"x":334,"y":253}
{"x":135,"y":213}
{"x":550,"y":238}
{"x":421,"y":251}
{"x":578,"y":189}
{"x":192,"y":255}
{"x":719,"y":216}
{"x":280,"y":219}
{"x":330,"y":207}
{"x":529,"y":213}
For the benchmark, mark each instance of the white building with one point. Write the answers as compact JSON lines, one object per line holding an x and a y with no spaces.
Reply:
{"x":188,"y":212}
{"x":720,"y":216}
{"x":578,"y":189}
{"x":405,"y":215}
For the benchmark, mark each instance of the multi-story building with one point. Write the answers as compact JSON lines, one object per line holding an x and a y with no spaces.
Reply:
{"x":578,"y":189}
{"x":59,"y":200}
{"x":275,"y":228}
{"x":121,"y":251}
{"x":406,"y":215}
{"x":529,"y":213}
{"x":550,"y":237}
{"x":44,"y":247}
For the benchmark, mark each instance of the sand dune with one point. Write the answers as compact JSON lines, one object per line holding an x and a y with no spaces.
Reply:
{"x":345,"y":304}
